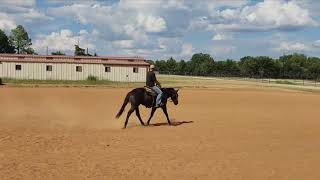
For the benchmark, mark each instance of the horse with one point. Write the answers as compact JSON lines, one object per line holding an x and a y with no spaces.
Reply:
{"x":140,"y":96}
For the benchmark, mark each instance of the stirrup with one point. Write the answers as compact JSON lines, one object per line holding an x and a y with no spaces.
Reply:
{"x":159,"y":105}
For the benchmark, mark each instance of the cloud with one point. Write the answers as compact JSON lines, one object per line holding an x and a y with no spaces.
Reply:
{"x":292,"y":46}
{"x":221,"y":36}
{"x":125,"y":44}
{"x":6,"y":22}
{"x":263,"y":16}
{"x":163,"y":28}
{"x":151,"y":23}
{"x":316,"y":43}
{"x":123,"y":25}
{"x":23,"y":3}
{"x":154,"y":5}
{"x":186,"y":50}
{"x":211,"y":6}
{"x":63,"y":41}
{"x":278,"y":14}
{"x":311,"y":5}
{"x":60,"y":2}
{"x":115,"y":18}
{"x":33,"y":15}
{"x":220,"y":50}
{"x":165,"y":48}
{"x":21,"y":12}
{"x":142,"y":26}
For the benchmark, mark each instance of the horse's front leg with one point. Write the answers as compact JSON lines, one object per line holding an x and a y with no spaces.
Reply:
{"x":151,"y":115}
{"x":164,"y":108}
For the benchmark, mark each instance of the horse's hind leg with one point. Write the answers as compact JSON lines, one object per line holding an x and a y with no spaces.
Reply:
{"x":128,"y":115}
{"x":138,"y":115}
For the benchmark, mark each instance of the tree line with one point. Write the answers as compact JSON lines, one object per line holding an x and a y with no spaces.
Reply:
{"x":293,"y":66}
{"x":19,"y":42}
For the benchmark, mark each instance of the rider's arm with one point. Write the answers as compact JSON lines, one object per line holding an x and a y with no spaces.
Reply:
{"x":157,"y":82}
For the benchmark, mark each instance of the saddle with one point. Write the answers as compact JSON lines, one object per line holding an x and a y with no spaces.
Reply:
{"x":150,"y":91}
{"x":153,"y":94}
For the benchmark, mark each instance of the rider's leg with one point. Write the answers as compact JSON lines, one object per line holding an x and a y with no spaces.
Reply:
{"x":159,"y":92}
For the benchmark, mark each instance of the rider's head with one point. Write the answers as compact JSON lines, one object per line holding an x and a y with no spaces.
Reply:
{"x":151,"y":67}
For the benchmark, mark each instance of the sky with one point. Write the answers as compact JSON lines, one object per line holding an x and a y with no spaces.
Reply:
{"x":160,"y":29}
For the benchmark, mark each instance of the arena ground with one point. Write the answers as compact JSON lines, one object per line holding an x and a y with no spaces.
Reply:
{"x":219,"y":133}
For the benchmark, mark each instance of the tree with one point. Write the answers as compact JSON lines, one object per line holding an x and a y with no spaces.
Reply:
{"x":248,"y":66}
{"x":5,"y":46}
{"x":20,"y":39}
{"x":289,"y":66}
{"x":29,"y":50}
{"x":58,"y":53}
{"x":227,"y":68}
{"x":182,"y":67}
{"x":171,"y":65}
{"x":150,"y":62}
{"x":79,"y":51}
{"x":161,"y":66}
{"x":261,"y":66}
{"x":201,"y":64}
{"x":312,"y":70}
{"x":267,"y":68}
{"x":294,"y":65}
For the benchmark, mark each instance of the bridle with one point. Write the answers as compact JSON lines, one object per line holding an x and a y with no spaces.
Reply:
{"x":170,"y":100}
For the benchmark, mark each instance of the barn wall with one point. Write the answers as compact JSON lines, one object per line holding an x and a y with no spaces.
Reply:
{"x":64,"y":71}
{"x":1,"y":64}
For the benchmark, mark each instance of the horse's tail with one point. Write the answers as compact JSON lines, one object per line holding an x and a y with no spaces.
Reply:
{"x":125,"y":102}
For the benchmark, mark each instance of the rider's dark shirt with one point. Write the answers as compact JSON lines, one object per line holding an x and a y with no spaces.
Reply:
{"x":151,"y":79}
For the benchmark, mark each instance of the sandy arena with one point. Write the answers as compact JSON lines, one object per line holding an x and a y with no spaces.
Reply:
{"x":71,"y":133}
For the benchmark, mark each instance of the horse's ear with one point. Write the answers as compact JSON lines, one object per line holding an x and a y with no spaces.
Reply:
{"x":177,"y":90}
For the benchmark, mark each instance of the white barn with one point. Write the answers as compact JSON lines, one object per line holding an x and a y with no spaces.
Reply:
{"x":57,"y":67}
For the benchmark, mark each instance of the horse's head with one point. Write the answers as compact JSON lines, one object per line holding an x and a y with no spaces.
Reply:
{"x":173,"y":94}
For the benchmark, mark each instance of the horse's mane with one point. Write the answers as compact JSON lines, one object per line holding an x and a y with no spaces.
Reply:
{"x":168,"y":91}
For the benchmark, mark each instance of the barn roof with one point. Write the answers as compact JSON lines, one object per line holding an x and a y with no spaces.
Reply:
{"x":107,"y":60}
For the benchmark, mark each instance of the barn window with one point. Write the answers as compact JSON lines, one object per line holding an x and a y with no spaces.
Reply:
{"x":18,"y":67}
{"x":79,"y":68}
{"x":107,"y":69}
{"x":135,"y":70}
{"x":49,"y":68}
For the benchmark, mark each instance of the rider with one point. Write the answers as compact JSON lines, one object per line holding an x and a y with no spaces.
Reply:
{"x":154,"y":84}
